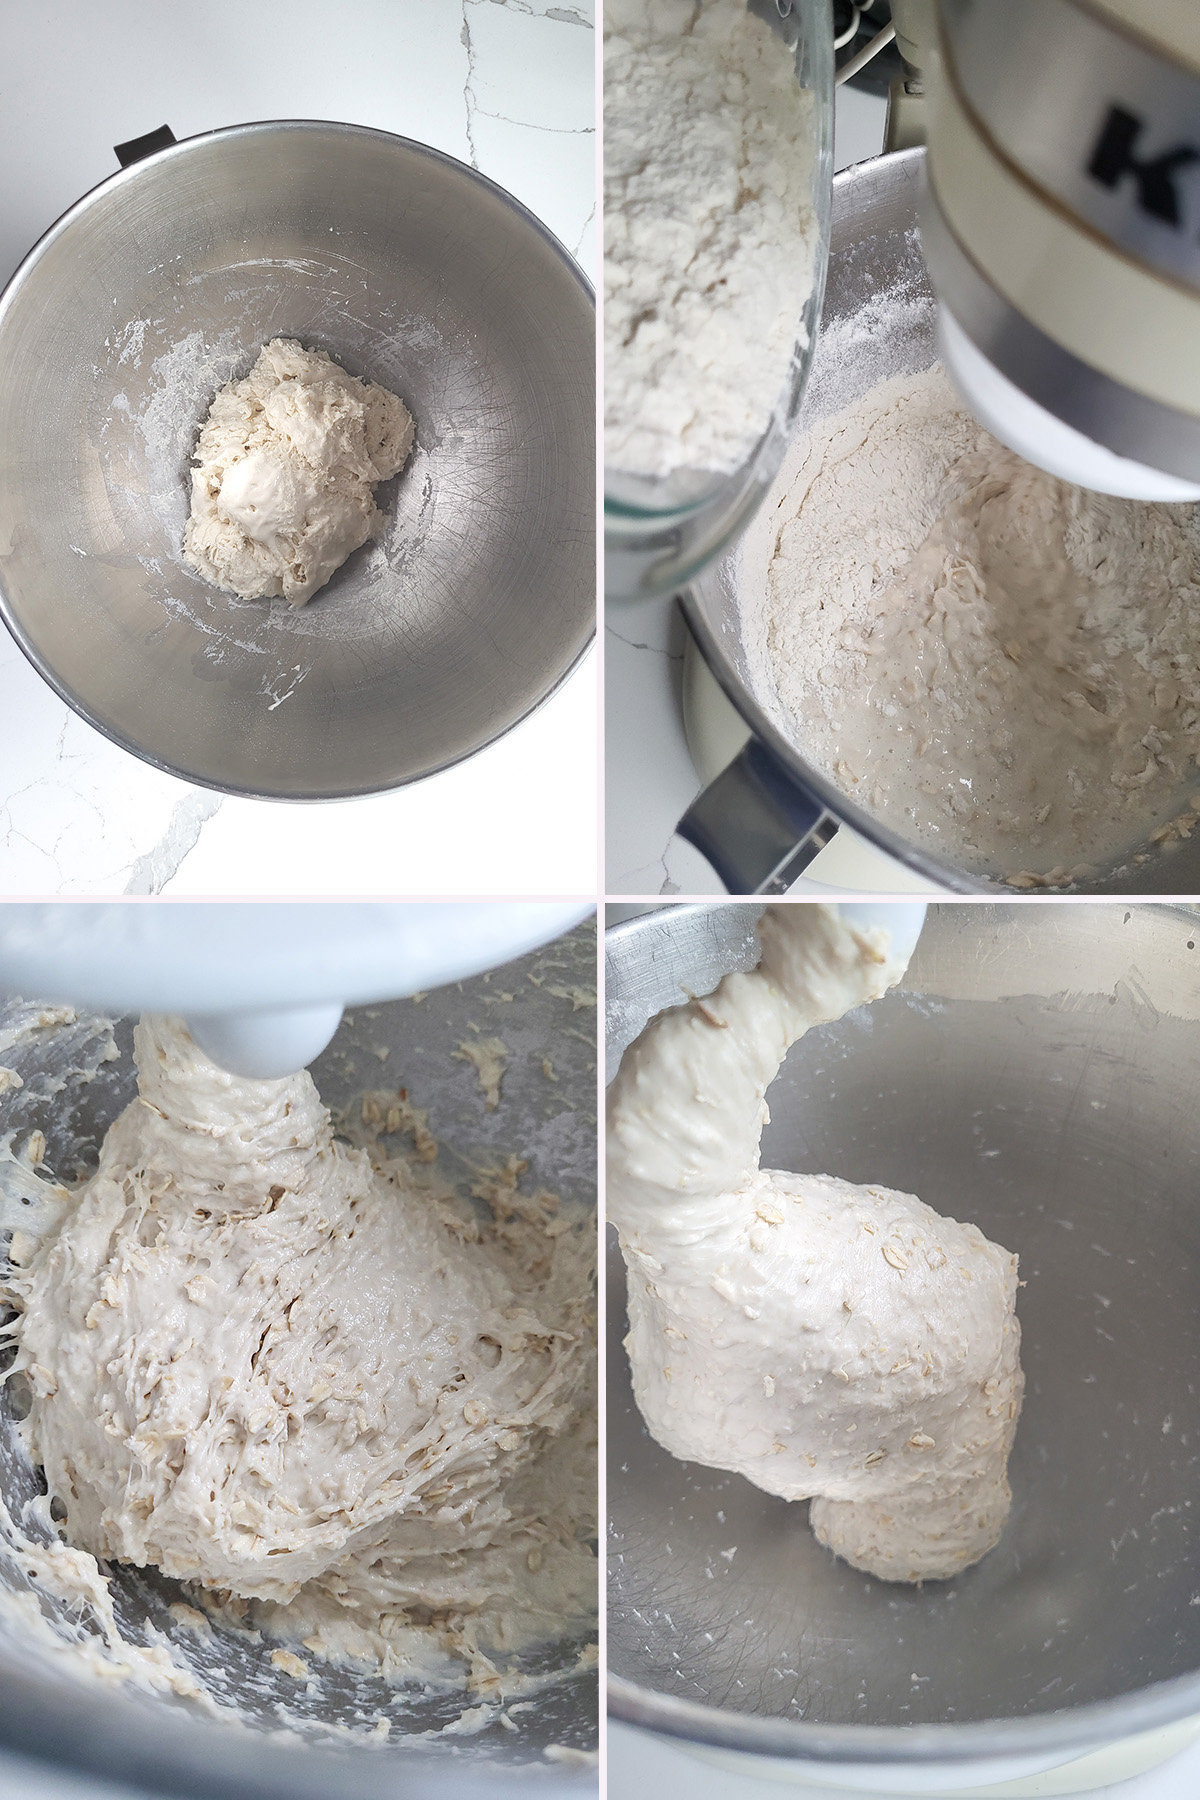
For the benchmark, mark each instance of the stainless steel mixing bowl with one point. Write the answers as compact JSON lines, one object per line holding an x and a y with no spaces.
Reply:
{"x":169,"y":1746}
{"x":408,"y":268}
{"x":1035,"y":1072}
{"x":763,"y":820}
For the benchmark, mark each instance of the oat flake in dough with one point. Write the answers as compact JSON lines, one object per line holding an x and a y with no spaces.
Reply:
{"x":824,"y":1340}
{"x":988,"y":659}
{"x":286,"y":466}
{"x":324,"y":1392}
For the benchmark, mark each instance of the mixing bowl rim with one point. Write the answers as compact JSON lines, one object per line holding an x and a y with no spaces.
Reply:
{"x":1080,"y":1727}
{"x":1089,"y":1726}
{"x":21,"y":274}
{"x":622,"y":928}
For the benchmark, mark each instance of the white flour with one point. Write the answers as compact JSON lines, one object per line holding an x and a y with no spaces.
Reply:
{"x":708,"y":223}
{"x":986,"y":658}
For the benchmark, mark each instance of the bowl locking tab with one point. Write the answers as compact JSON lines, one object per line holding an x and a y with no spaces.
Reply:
{"x":136,"y":148}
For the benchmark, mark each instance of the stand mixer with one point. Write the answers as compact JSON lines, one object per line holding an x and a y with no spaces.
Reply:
{"x":1058,"y":252}
{"x":1061,"y":228}
{"x":261,"y":987}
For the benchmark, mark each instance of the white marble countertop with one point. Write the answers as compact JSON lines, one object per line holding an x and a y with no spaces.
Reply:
{"x":507,"y":85}
{"x":650,"y":779}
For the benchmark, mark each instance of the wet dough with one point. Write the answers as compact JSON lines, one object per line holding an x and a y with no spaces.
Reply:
{"x":287,"y":461}
{"x":268,"y":1367}
{"x":824,"y":1340}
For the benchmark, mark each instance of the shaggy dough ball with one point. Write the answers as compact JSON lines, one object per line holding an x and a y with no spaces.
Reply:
{"x":840,"y":1343}
{"x":266,"y":1366}
{"x":285,"y":470}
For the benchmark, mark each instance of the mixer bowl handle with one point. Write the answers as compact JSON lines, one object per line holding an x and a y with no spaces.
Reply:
{"x":134,"y":149}
{"x":758,"y":828}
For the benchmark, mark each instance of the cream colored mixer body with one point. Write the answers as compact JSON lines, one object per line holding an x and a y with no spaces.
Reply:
{"x":1062,"y":228}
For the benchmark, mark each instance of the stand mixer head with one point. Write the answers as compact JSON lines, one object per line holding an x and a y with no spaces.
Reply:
{"x":1061,"y":228}
{"x":262,"y":987}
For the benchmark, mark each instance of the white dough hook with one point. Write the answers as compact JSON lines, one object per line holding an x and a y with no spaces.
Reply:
{"x":261,"y":987}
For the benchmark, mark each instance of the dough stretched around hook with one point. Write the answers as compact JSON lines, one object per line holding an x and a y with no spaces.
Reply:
{"x":839,"y":1343}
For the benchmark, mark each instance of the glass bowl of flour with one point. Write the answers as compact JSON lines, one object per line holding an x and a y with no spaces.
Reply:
{"x":718,"y":149}
{"x":115,"y":1669}
{"x":472,"y":597}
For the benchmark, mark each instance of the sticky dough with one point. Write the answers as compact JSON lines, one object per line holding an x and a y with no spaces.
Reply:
{"x":283,"y":488}
{"x":270,"y":1368}
{"x":829,"y":1341}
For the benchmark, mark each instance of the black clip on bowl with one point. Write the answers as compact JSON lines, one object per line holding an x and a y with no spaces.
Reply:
{"x":146,"y":145}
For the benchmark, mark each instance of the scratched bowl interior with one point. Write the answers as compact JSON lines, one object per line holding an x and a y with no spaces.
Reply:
{"x":409,"y":269}
{"x":167,"y":1745}
{"x":1035,"y":1073}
